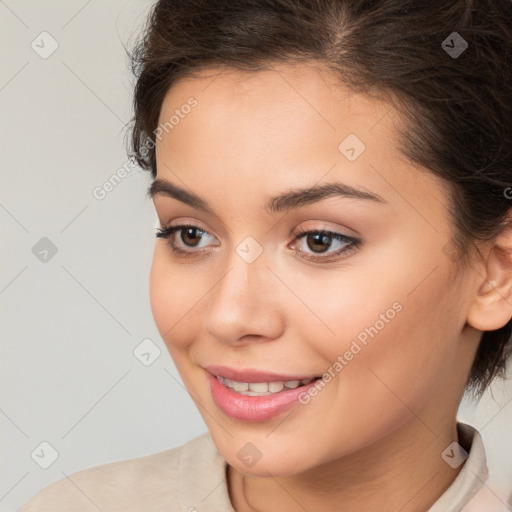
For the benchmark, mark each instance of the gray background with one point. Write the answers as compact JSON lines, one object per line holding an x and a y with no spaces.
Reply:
{"x":70,"y":321}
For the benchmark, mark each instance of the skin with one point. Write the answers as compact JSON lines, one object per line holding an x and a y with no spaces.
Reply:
{"x":372,"y":438}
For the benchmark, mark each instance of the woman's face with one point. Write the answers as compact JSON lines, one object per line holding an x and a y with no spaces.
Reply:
{"x":375,"y":314}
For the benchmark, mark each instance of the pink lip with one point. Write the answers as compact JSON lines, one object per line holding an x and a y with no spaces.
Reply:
{"x":254,"y":408}
{"x":253,"y":375}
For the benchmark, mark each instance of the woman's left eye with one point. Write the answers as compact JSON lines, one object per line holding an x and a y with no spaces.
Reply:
{"x":316,"y":240}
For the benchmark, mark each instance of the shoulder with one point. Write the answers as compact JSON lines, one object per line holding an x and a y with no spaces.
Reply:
{"x":147,"y":483}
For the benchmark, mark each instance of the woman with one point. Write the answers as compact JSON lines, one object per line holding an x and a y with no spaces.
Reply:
{"x":333,"y":263}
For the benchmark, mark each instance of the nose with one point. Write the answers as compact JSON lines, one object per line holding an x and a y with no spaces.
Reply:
{"x":245,"y":304}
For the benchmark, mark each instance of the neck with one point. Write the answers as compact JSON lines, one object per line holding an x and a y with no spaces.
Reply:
{"x":402,"y":471}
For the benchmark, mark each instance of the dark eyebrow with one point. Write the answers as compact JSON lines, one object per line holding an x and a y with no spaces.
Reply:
{"x":295,"y":198}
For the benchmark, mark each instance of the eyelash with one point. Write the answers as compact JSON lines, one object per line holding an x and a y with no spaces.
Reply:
{"x":352,"y":243}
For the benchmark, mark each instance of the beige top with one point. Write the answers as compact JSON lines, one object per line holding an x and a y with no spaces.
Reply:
{"x":192,"y":478}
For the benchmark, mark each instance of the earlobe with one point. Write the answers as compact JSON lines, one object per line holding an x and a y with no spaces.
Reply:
{"x":491,"y":307}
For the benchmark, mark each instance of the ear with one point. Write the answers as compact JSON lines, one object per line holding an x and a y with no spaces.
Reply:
{"x":491,"y":307}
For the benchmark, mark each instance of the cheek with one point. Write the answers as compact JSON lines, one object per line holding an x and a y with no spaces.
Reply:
{"x":172,"y":298}
{"x":392,"y":314}
{"x":405,"y":362}
{"x":393,"y":335}
{"x":400,"y":370}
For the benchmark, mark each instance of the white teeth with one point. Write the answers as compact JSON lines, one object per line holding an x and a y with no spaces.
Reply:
{"x":261,"y":388}
{"x":275,"y":386}
{"x":240,"y":386}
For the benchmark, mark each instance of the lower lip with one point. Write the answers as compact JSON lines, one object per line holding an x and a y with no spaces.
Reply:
{"x":253,"y":408}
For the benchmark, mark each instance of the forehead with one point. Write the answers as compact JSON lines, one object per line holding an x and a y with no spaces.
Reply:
{"x":280,"y":93}
{"x":287,"y":126}
{"x":286,"y":114}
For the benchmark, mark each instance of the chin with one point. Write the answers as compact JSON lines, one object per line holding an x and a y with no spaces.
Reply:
{"x":255,"y":456}
{"x":275,"y":468}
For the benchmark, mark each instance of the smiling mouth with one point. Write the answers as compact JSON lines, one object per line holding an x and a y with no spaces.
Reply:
{"x":265,"y":397}
{"x":262,"y":388}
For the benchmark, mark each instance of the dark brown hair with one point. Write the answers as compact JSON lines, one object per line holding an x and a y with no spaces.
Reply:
{"x":456,"y":103}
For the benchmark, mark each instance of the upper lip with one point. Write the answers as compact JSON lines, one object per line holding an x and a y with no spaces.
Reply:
{"x":250,"y":375}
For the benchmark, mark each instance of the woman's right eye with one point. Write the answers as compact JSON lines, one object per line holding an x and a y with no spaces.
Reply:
{"x":187,"y":233}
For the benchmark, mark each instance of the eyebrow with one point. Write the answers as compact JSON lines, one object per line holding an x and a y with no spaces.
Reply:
{"x":295,"y":198}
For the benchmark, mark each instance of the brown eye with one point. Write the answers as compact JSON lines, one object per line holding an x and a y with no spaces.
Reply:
{"x":318,"y":241}
{"x":185,"y":240}
{"x":191,"y":236}
{"x":321,"y":242}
